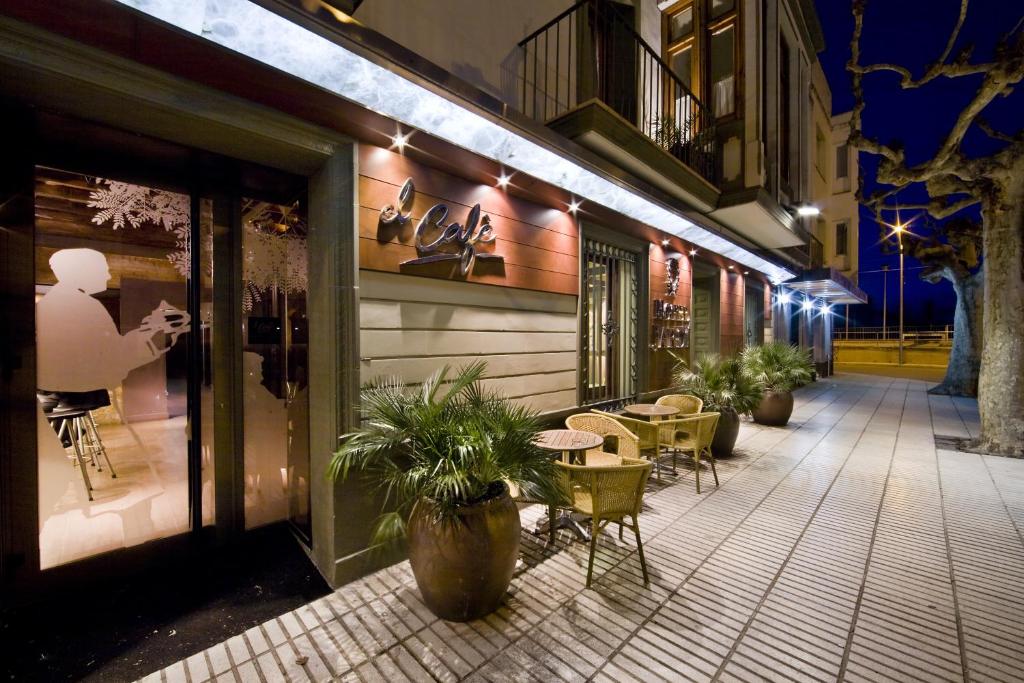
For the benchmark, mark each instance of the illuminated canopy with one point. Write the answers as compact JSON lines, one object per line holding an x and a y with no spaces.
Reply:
{"x":251,"y":30}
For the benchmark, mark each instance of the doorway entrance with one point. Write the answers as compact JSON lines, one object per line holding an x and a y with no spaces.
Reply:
{"x":171,"y":344}
{"x":704,"y":324}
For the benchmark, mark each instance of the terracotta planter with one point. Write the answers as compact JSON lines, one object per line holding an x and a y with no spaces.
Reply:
{"x":463,"y":567}
{"x":725,"y":434}
{"x":774,"y":409}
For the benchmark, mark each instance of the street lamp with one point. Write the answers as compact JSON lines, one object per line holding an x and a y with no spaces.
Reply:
{"x":899,"y":229}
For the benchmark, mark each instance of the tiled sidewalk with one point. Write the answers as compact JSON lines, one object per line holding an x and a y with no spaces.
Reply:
{"x":842,"y":547}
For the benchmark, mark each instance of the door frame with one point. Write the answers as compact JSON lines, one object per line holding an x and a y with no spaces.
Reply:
{"x":44,"y":72}
{"x":600,"y":233}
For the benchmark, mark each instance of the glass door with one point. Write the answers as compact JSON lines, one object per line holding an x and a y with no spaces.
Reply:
{"x":122,"y":334}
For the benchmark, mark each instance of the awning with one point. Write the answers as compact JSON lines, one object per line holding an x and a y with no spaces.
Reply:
{"x":828,"y":284}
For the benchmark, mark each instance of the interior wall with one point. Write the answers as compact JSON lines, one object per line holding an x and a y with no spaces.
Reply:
{"x":411,"y":326}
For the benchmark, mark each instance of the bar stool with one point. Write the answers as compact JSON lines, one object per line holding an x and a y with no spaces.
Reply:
{"x":70,"y":415}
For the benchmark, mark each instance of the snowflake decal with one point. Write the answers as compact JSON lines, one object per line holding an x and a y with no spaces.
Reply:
{"x":126,"y":204}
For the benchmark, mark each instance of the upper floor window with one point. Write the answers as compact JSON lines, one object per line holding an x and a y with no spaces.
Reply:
{"x":785,"y":167}
{"x":842,"y":162}
{"x":701,"y":49}
{"x":842,"y":238}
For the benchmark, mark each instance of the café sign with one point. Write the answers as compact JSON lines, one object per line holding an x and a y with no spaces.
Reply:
{"x":437,"y":240}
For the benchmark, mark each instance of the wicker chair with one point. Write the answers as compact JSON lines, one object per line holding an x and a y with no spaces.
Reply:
{"x":629,"y":443}
{"x":648,"y":434}
{"x":687,"y":404}
{"x":693,"y":435}
{"x":607,"y":494}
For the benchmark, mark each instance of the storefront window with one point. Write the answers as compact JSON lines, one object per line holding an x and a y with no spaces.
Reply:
{"x":275,"y":364}
{"x":113,"y":325}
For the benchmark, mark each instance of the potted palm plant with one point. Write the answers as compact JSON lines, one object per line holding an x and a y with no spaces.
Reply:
{"x":724,"y":388}
{"x":779,"y":368}
{"x":444,"y":454}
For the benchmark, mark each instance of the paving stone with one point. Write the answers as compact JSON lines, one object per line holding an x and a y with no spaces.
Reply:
{"x":843,"y":545}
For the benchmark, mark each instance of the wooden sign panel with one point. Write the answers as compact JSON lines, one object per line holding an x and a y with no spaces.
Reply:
{"x":517,"y":243}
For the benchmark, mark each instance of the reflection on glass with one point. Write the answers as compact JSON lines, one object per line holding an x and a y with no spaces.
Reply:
{"x":722,"y":70}
{"x":720,"y":7}
{"x":112,"y":268}
{"x":682,"y":66}
{"x":680,"y":24}
{"x":275,"y":364}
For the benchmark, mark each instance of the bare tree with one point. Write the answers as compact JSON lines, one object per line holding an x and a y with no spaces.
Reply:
{"x":954,"y":182}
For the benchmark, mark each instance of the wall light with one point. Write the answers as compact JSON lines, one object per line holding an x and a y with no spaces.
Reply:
{"x":503,"y":180}
{"x":574,"y":206}
{"x":398,"y":140}
{"x":746,"y":272}
{"x":664,"y":243}
{"x":732,"y":267}
{"x":807,"y":210}
{"x":693,"y":252}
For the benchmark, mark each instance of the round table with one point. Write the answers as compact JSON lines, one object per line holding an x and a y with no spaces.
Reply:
{"x":570,"y":441}
{"x":651,"y":411}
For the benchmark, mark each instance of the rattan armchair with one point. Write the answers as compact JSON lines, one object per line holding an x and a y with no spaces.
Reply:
{"x":647,"y":433}
{"x":629,"y":443}
{"x":693,"y":435}
{"x":608,"y":494}
{"x":687,"y":404}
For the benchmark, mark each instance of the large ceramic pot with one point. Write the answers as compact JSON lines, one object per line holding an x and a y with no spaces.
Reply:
{"x":774,"y":409}
{"x":463,"y":567}
{"x":726,"y":432}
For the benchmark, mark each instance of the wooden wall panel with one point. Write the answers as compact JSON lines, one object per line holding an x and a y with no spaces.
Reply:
{"x":410,"y":326}
{"x":731,"y":313}
{"x":539,"y":245}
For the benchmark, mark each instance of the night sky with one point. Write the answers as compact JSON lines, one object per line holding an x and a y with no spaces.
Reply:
{"x":913,"y":33}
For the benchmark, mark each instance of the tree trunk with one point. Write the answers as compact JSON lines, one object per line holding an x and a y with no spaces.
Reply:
{"x":965,"y":356}
{"x":1001,"y":385}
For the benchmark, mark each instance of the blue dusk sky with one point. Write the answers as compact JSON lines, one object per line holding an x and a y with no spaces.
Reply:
{"x":913,"y":33}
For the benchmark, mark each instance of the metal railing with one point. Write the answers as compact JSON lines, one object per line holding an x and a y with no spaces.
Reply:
{"x":934,"y":333}
{"x":590,"y":51}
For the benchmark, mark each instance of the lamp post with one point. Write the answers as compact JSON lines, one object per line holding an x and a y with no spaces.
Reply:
{"x":885,"y":302}
{"x":899,"y":229}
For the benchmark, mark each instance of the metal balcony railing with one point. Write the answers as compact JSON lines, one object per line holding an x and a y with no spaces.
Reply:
{"x":590,"y":52}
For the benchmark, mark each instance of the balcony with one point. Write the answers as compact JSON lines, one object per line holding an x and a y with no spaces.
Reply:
{"x":588,"y":75}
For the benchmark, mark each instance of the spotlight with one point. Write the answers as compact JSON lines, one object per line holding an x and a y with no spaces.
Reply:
{"x":503,"y":180}
{"x":824,"y":308}
{"x":783,"y":299}
{"x":746,"y":272}
{"x":693,"y":252}
{"x":664,"y":243}
{"x":574,"y":206}
{"x":732,"y":267}
{"x":399,"y":139}
{"x":808,"y":305}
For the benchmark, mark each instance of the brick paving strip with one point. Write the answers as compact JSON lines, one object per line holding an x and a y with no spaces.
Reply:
{"x":844,"y":547}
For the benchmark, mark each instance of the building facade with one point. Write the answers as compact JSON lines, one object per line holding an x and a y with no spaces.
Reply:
{"x":221,"y":219}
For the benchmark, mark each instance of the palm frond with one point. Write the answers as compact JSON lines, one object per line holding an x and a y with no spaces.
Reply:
{"x":450,"y":442}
